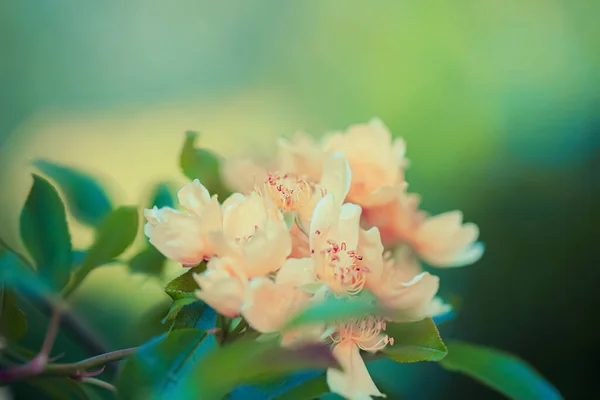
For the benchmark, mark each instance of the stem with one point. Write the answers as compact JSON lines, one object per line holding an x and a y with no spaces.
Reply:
{"x":99,"y":383}
{"x":80,"y":366}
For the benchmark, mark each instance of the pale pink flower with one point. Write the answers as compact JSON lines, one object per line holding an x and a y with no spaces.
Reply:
{"x":253,"y":233}
{"x":242,"y":174}
{"x":301,"y":155}
{"x":183,"y":236}
{"x":354,"y":381}
{"x":376,"y":161}
{"x":222,"y":286}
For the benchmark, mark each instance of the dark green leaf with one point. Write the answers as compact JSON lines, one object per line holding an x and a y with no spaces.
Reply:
{"x":195,"y":315}
{"x":176,"y":306}
{"x":116,"y":233}
{"x":501,"y":371}
{"x":162,"y":196}
{"x":159,"y":364}
{"x":45,"y":233}
{"x":59,"y":388}
{"x":202,"y":164}
{"x":149,"y":261}
{"x":334,"y":309}
{"x":184,"y":285}
{"x":14,"y":274}
{"x":13,"y":323}
{"x":414,"y":342}
{"x":309,"y":390}
{"x":85,"y":198}
{"x":246,"y":362}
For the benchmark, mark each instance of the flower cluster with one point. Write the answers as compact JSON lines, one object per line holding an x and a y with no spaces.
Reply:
{"x":323,"y":218}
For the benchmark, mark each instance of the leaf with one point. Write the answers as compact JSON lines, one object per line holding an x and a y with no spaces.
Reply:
{"x":149,"y":261}
{"x":202,"y":164}
{"x":85,"y":198}
{"x":414,"y":342}
{"x":185,"y":285}
{"x":13,"y":323}
{"x":308,"y":390}
{"x":159,"y":364}
{"x":45,"y":233}
{"x":334,"y":309}
{"x":59,"y":388}
{"x":176,"y":306}
{"x":247,"y":362}
{"x":162,"y":196}
{"x":116,"y":233}
{"x":196,"y":315}
{"x":501,"y":371}
{"x":13,"y":274}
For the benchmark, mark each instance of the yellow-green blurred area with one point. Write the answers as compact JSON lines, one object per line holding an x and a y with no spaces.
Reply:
{"x":497,"y":100}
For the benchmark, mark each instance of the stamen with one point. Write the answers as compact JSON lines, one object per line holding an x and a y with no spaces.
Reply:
{"x":365,"y":332}
{"x":288,"y":191}
{"x":340,"y":269}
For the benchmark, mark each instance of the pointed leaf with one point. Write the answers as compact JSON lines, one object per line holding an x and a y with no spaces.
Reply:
{"x":13,"y":323}
{"x":45,"y":233}
{"x":501,"y":371}
{"x":149,"y":261}
{"x":202,"y":164}
{"x":311,"y":389}
{"x":85,"y":198}
{"x":13,"y":274}
{"x":414,"y":342}
{"x":195,"y":315}
{"x":162,"y":195}
{"x":116,"y":233}
{"x":185,"y":285}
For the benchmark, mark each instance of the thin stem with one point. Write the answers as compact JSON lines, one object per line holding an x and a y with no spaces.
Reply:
{"x":51,"y":333}
{"x":93,"y":362}
{"x":99,"y":383}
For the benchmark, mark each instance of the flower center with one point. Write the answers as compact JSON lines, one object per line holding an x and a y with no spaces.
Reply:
{"x":288,"y":191}
{"x":365,"y":332}
{"x":245,"y":239}
{"x":341,"y":269}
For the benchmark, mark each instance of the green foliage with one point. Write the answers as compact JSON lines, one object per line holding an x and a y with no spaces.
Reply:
{"x":162,"y":196}
{"x":190,"y":314}
{"x":13,"y":323}
{"x":176,"y":306}
{"x":14,"y":274}
{"x":309,"y":390}
{"x":45,"y":233}
{"x":116,"y":233}
{"x":85,"y":198}
{"x":202,"y":164}
{"x":414,"y":342}
{"x":499,"y":370}
{"x":60,"y":388}
{"x":333,"y":309}
{"x":184,"y":285}
{"x":246,"y":362}
{"x":158,"y":364}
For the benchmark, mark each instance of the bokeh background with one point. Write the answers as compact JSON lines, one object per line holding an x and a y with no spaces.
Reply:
{"x":498,"y":101}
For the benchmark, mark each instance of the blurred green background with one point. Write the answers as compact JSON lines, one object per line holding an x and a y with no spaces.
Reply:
{"x":498,"y":102}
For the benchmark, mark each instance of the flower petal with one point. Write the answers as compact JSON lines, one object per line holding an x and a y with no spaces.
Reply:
{"x":354,"y":381}
{"x":336,"y":176}
{"x":296,"y":271}
{"x":193,"y":196}
{"x":324,"y":221}
{"x":222,"y":286}
{"x":349,"y":225}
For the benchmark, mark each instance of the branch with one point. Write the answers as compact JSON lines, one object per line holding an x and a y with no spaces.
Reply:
{"x":99,"y":383}
{"x":79,"y":368}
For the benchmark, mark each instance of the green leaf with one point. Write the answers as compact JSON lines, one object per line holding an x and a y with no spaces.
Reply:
{"x":13,"y":323}
{"x":158,"y":364}
{"x":14,"y":274}
{"x":334,"y":309}
{"x":202,"y":164}
{"x":414,"y":342}
{"x":85,"y":198}
{"x":162,"y":196}
{"x":177,"y":305}
{"x":246,"y":362}
{"x":45,"y":233}
{"x":59,"y":388}
{"x":149,"y":261}
{"x":501,"y":371}
{"x":116,"y":233}
{"x":184,"y":285}
{"x":312,"y":389}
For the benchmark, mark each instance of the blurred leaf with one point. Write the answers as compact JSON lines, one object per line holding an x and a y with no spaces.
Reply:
{"x":162,"y":196}
{"x":13,"y":323}
{"x":176,"y":306}
{"x":414,"y":342}
{"x":85,"y":198}
{"x":247,"y":362}
{"x":333,"y":309}
{"x":13,"y":274}
{"x":185,"y":285}
{"x":202,"y":164}
{"x":158,"y":364}
{"x":196,"y":315}
{"x":499,"y":370}
{"x":116,"y":233}
{"x":307,"y":390}
{"x":60,"y":388}
{"x":45,"y":233}
{"x":149,"y":261}
{"x":78,"y":256}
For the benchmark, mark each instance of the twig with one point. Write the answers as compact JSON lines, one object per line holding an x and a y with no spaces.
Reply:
{"x":99,"y":383}
{"x":74,"y":369}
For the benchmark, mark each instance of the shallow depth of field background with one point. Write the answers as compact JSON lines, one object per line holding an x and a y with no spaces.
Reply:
{"x":499,"y":103}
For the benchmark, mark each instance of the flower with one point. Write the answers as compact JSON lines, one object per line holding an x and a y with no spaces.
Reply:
{"x":442,"y":240}
{"x":353,"y":381}
{"x":183,"y":236}
{"x":222,"y":286}
{"x":375,"y":160}
{"x":254,"y":234}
